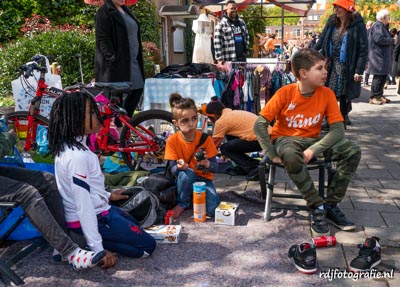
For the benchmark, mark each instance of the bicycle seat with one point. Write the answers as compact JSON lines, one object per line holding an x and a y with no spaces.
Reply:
{"x":120,"y":87}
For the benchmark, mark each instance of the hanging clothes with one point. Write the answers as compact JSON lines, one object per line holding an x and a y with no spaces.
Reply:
{"x":202,"y":27}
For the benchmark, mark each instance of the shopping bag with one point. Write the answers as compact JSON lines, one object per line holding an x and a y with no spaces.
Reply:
{"x":25,"y":89}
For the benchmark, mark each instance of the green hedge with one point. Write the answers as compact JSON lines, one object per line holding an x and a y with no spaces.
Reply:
{"x":62,"y":47}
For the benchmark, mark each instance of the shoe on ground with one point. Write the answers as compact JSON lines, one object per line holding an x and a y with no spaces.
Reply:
{"x":319,"y":225}
{"x":83,"y":259}
{"x":337,"y":218}
{"x":304,"y":257}
{"x":253,"y":175}
{"x":368,"y":257}
{"x":376,"y":101}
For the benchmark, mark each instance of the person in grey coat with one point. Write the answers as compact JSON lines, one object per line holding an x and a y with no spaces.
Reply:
{"x":344,"y":42}
{"x":380,"y":56}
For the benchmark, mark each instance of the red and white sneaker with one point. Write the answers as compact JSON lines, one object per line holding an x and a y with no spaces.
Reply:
{"x":83,"y":259}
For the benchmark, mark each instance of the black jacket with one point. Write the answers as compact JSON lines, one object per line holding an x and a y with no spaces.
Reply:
{"x":357,"y":51}
{"x":112,"y":57}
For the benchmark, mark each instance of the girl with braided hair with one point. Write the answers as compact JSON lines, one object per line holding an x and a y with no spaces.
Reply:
{"x":81,"y":183}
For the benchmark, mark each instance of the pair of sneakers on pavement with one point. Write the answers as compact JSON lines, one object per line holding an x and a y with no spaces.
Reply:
{"x":319,"y":219}
{"x":304,"y":256}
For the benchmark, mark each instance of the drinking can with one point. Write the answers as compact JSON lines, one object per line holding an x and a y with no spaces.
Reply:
{"x":324,"y":241}
{"x":199,"y":201}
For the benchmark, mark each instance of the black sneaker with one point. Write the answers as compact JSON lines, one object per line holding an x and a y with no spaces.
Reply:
{"x":319,"y":225}
{"x":368,"y":257}
{"x":304,"y":257}
{"x":337,"y":218}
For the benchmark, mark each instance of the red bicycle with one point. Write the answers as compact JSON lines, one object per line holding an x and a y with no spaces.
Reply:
{"x":141,"y":138}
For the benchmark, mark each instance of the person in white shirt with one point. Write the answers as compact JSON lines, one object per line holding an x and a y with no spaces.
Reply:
{"x":81,"y":183}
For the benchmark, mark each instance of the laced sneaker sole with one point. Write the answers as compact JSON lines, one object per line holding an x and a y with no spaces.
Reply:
{"x":317,"y":234}
{"x":301,"y":269}
{"x":354,"y":269}
{"x":342,"y":227}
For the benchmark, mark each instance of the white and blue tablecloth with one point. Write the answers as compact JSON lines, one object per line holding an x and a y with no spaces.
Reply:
{"x":157,"y":91}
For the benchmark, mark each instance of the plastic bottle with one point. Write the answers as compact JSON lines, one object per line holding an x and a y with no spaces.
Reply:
{"x":199,"y":201}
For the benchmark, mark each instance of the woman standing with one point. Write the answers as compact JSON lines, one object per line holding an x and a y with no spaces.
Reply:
{"x":344,"y":42}
{"x":119,"y":52}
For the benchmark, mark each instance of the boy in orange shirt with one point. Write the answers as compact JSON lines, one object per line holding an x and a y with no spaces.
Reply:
{"x":299,"y":109}
{"x":180,"y":151}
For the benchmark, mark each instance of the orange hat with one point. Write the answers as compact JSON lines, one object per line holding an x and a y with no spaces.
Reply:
{"x":345,"y":4}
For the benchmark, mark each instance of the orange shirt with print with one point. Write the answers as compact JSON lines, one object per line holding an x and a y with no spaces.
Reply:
{"x":178,"y":148}
{"x":297,"y":115}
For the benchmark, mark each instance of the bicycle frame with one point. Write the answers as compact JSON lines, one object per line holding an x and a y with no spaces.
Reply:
{"x":34,"y":108}
{"x":111,"y":111}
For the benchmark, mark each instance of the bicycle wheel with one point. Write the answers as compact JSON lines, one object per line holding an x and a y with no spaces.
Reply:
{"x":148,"y":139}
{"x":19,"y":121}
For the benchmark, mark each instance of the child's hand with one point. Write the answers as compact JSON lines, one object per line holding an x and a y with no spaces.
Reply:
{"x":117,"y":195}
{"x":180,"y":163}
{"x":308,"y":155}
{"x":108,"y":261}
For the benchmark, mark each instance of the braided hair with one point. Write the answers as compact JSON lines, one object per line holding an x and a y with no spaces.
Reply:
{"x":67,"y":121}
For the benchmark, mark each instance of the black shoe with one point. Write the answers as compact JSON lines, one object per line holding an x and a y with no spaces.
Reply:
{"x":253,"y":175}
{"x":337,"y":218}
{"x":368,"y":257}
{"x":304,"y":257}
{"x":319,"y":225}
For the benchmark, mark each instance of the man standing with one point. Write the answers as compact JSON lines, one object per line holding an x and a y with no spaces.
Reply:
{"x":380,"y":44}
{"x":231,"y":38}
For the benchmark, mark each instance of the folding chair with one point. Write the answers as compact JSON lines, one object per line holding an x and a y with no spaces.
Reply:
{"x":267,"y":188}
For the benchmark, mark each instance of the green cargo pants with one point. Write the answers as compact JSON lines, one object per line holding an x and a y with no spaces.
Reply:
{"x":345,"y":153}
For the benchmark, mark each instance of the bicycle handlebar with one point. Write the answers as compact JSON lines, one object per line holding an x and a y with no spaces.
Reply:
{"x":35,"y":65}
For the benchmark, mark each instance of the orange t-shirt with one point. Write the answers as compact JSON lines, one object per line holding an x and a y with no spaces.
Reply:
{"x":178,"y":148}
{"x":269,"y":45}
{"x":301,"y":116}
{"x":235,"y":123}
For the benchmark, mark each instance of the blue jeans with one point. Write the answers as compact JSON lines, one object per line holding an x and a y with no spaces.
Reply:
{"x":184,"y":183}
{"x":121,"y":233}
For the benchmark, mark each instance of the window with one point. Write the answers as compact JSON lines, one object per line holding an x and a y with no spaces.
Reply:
{"x":179,"y":39}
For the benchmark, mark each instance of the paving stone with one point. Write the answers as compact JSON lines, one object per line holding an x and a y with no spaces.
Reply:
{"x":384,"y":193}
{"x":376,"y":173}
{"x":386,"y":165}
{"x":357,"y":192}
{"x":367,"y":183}
{"x":389,"y":236}
{"x":364,"y":217}
{"x":350,"y":238}
{"x":389,"y":183}
{"x":374,"y":204}
{"x":331,"y":257}
{"x":391,"y":219}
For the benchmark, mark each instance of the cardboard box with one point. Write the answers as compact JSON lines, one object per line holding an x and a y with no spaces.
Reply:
{"x":226,"y":213}
{"x":165,"y":233}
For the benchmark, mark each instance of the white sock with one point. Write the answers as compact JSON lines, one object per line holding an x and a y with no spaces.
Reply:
{"x":145,"y":254}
